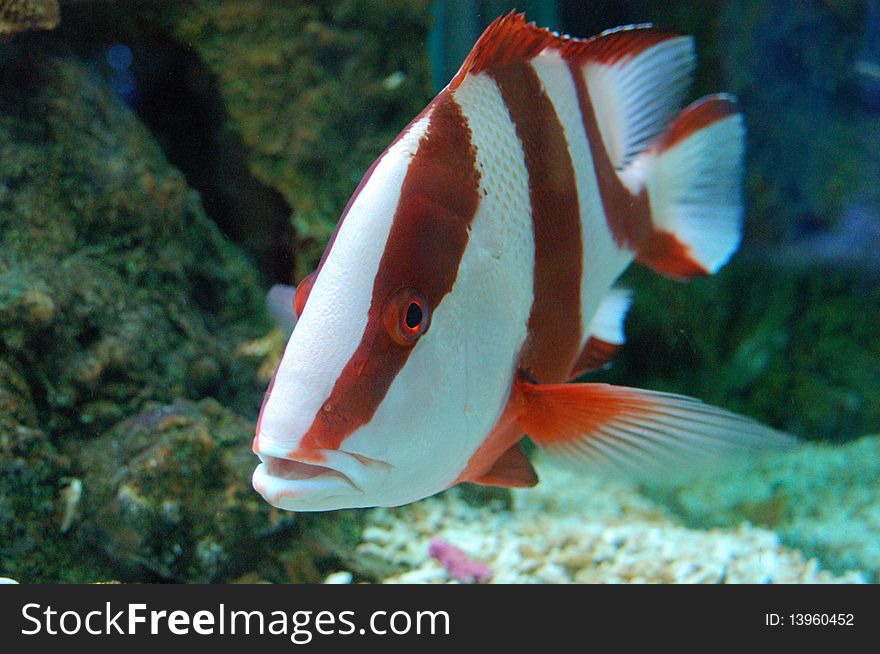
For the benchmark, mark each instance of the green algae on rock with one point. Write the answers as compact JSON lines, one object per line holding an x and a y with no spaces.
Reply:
{"x":116,"y":288}
{"x":293,"y":100}
{"x":116,"y":291}
{"x":822,"y":499}
{"x":24,"y":15}
{"x":315,"y":89}
{"x":29,"y":470}
{"x":167,"y":494}
{"x":33,"y":475}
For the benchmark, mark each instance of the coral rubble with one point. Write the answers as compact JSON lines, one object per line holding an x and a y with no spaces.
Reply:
{"x":582,"y":529}
{"x":822,"y":499}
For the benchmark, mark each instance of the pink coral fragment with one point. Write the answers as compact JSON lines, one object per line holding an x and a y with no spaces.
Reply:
{"x":457,"y":563}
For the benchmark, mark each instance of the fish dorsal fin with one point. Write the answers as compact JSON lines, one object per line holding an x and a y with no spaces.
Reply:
{"x":508,"y":39}
{"x":637,"y":75}
{"x":637,"y":78}
{"x":606,"y":332}
{"x":512,"y":470}
{"x":636,"y":431}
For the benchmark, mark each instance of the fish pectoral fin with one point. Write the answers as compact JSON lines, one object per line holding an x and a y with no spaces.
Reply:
{"x":302,"y":292}
{"x":512,"y":470}
{"x":286,"y":303}
{"x":636,"y":431}
{"x":279,"y":301}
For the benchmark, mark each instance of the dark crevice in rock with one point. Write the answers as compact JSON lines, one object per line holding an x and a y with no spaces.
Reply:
{"x":181,"y":105}
{"x":36,"y":389}
{"x":178,"y":99}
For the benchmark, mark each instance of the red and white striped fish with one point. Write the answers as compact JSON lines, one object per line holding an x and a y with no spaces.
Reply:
{"x":471,"y":275}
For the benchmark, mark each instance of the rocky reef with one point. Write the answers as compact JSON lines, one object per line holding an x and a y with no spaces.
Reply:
{"x":102,"y":303}
{"x":167,"y":493}
{"x":315,"y":90}
{"x":131,"y":327}
{"x":32,"y":474}
{"x":116,"y":287}
{"x":267,"y":106}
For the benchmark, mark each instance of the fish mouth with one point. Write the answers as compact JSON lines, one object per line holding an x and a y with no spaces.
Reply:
{"x":339,"y":481}
{"x":290,"y":469}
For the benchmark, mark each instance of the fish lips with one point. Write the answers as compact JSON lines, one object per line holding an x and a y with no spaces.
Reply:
{"x":341,"y":480}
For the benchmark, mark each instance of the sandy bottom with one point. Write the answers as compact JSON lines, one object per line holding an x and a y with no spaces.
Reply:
{"x":581,"y":529}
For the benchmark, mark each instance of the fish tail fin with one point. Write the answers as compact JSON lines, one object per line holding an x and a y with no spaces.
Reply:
{"x":693,"y":174}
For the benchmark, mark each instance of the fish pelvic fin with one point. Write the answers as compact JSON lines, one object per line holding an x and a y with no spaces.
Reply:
{"x":637,"y":432}
{"x":511,"y":470}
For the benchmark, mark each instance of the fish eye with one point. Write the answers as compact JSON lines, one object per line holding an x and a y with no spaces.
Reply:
{"x":302,"y":292}
{"x":413,"y":316}
{"x":407,"y":316}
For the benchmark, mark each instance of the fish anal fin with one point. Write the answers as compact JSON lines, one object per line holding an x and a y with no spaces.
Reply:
{"x":634,"y":430}
{"x":512,"y":470}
